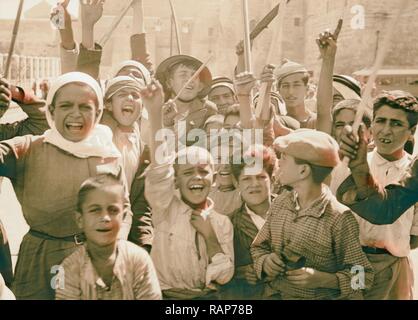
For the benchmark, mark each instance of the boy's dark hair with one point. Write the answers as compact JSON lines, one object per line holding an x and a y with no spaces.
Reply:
{"x":267,"y":154}
{"x":187,"y":63}
{"x":319,"y":173}
{"x":351,"y":104}
{"x":401,"y":100}
{"x":94,"y":183}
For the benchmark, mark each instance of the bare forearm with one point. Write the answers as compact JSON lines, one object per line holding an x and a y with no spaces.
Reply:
{"x":67,"y":34}
{"x":88,"y":36}
{"x":324,"y":97}
{"x":213,"y":246}
{"x":245,"y":110}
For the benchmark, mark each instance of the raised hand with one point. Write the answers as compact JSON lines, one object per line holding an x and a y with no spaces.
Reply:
{"x":244,"y":83}
{"x":91,"y":11}
{"x":354,"y":146}
{"x":169,"y":113}
{"x":153,"y":98}
{"x":268,"y":74}
{"x":327,"y":41}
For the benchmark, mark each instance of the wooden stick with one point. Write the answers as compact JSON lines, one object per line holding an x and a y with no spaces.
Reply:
{"x":262,"y":111}
{"x":176,"y":26}
{"x":115,"y":24}
{"x":14,"y":36}
{"x":247,"y":43}
{"x":377,"y":65}
{"x":194,"y":76}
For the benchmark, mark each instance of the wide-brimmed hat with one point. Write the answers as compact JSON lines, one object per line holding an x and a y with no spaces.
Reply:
{"x":166,"y":66}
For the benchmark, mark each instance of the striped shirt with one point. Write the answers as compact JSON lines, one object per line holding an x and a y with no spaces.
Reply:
{"x":326,"y":234}
{"x":134,"y":276}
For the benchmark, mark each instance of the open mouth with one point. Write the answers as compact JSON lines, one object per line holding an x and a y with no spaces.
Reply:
{"x":385,"y":141}
{"x":196,"y":188}
{"x":224,"y":173}
{"x":127,"y":110}
{"x":74,"y":126}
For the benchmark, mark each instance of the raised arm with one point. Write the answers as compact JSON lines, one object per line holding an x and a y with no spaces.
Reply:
{"x":327,"y":43}
{"x":36,"y":122}
{"x":244,"y":83}
{"x":68,"y":47}
{"x":159,"y":179}
{"x":363,"y":195}
{"x":90,"y":52}
{"x":138,"y":39}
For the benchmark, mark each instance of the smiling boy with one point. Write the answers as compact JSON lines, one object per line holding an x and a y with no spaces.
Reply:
{"x":193,"y":244}
{"x":173,"y":73}
{"x":105,"y":268}
{"x":292,"y":81}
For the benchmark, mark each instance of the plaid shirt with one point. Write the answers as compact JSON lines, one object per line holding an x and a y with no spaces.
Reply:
{"x":326,"y":234}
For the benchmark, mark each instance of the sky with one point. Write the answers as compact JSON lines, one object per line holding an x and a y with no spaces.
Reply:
{"x":8,"y":8}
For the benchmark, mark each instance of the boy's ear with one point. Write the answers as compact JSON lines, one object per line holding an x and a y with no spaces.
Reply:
{"x":79,"y":219}
{"x":413,"y":129}
{"x":305,"y":171}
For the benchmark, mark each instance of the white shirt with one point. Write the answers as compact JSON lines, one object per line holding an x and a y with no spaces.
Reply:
{"x":179,"y":253}
{"x":129,"y":145}
{"x":394,"y":237}
{"x":257,"y":220}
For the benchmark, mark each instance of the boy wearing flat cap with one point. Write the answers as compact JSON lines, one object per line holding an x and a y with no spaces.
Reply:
{"x":292,"y":79}
{"x":309,"y":246}
{"x":173,"y":73}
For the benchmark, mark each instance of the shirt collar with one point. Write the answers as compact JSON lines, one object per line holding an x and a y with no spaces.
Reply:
{"x":317,"y":207}
{"x":186,"y":209}
{"x":117,"y":269}
{"x":398,"y":164}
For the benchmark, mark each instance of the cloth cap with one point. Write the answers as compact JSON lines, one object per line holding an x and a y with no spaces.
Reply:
{"x":288,"y":68}
{"x":132,"y":63}
{"x":118,"y":83}
{"x":164,"y":68}
{"x":315,"y":147}
{"x":222,"y":82}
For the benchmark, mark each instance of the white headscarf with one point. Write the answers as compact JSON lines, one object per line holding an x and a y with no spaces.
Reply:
{"x":99,"y":142}
{"x":132,"y":63}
